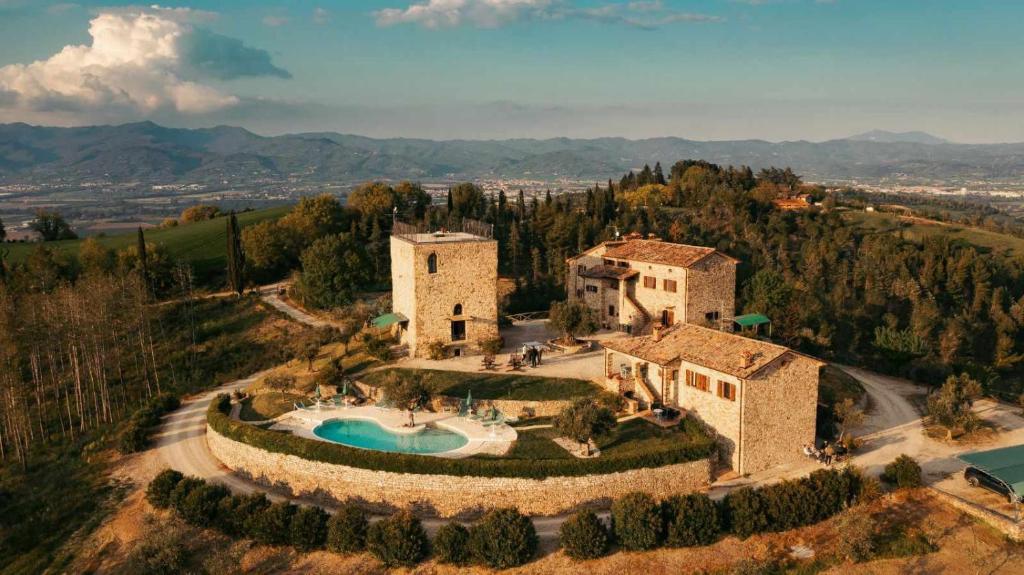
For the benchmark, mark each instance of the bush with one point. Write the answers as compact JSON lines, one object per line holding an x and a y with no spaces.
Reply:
{"x":161,"y":551}
{"x":903,"y":472}
{"x":789,"y":504}
{"x":275,"y":442}
{"x":378,"y":348}
{"x":398,"y":540}
{"x":857,"y":536}
{"x":136,"y":436}
{"x":247,"y":512}
{"x":185,"y":486}
{"x":199,"y":507}
{"x":747,"y":512}
{"x":691,"y":521}
{"x":436,"y":350}
{"x":636,"y":522}
{"x":158,"y":493}
{"x":309,"y":528}
{"x":451,"y":544}
{"x":346,"y":530}
{"x":272,"y":526}
{"x":503,"y":538}
{"x":584,"y":536}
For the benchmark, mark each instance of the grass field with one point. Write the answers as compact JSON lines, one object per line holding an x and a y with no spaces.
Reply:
{"x":836,"y":385}
{"x":268,"y":405}
{"x":492,"y":385}
{"x":204,"y":244}
{"x":919,"y":230}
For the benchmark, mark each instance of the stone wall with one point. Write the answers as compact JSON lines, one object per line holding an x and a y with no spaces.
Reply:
{"x":722,"y":414}
{"x":711,"y":285}
{"x":780,"y":406}
{"x":447,"y":495}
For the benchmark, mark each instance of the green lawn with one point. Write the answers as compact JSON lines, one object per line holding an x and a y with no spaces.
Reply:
{"x":915,"y":231}
{"x":268,"y":405}
{"x":629,"y":438}
{"x":204,"y":244}
{"x":492,"y":385}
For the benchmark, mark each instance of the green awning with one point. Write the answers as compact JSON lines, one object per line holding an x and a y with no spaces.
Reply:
{"x":1005,"y":464}
{"x":751,"y":319}
{"x":388,"y":319}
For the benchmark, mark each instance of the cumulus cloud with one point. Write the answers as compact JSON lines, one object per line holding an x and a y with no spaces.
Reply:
{"x":644,"y":14}
{"x":140,"y":61}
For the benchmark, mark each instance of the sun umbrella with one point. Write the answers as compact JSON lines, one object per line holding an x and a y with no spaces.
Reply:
{"x":344,"y":388}
{"x":469,"y":400}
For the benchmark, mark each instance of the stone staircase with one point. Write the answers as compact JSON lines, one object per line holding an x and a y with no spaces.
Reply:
{"x":644,"y":391}
{"x":645,"y":318}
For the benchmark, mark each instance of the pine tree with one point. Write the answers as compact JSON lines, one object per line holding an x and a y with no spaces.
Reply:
{"x":236,"y":257}
{"x":659,"y":177}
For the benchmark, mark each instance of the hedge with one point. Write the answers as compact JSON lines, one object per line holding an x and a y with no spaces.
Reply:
{"x":337,"y":454}
{"x":136,"y":436}
{"x":584,"y":536}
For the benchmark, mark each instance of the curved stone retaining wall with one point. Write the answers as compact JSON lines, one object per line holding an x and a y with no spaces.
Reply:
{"x":449,"y":495}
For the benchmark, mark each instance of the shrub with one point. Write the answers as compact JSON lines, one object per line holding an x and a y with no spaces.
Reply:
{"x":584,"y":536}
{"x":309,"y":528}
{"x":903,"y":472}
{"x":490,"y":346}
{"x":700,"y":447}
{"x":789,"y":504}
{"x":185,"y":486}
{"x":161,"y":551}
{"x":378,"y":348}
{"x":436,"y":350}
{"x":158,"y":493}
{"x":746,"y":511}
{"x":691,"y":521}
{"x":199,"y":507}
{"x":247,"y":513}
{"x":272,"y":525}
{"x":636,"y":522}
{"x":451,"y":544}
{"x":346,"y":530}
{"x":503,"y":538}
{"x":398,"y":540}
{"x":857,"y":532}
{"x":136,"y":436}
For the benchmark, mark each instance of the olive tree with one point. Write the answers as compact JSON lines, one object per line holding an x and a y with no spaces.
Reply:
{"x":584,"y":420}
{"x":572,"y":319}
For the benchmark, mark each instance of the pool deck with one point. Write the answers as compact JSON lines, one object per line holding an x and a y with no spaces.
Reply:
{"x":490,"y":440}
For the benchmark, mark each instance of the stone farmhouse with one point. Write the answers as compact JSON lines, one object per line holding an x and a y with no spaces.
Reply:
{"x":760,"y":398}
{"x":444,"y":288}
{"x":634,"y":284}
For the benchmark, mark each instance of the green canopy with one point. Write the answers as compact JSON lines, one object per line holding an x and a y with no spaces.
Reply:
{"x":751,"y":319}
{"x":1005,"y":464}
{"x":388,"y":319}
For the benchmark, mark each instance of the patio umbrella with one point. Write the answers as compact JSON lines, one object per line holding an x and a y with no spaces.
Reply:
{"x":469,"y":399}
{"x":317,"y":394}
{"x":344,"y":388}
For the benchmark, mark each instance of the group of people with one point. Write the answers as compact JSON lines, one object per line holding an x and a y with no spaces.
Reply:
{"x":826,"y":455}
{"x":534,"y":355}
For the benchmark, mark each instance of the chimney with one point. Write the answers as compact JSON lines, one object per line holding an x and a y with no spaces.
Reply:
{"x":656,"y":332}
{"x":746,"y":359}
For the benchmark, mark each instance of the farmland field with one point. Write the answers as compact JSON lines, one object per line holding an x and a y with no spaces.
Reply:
{"x":917,"y":229}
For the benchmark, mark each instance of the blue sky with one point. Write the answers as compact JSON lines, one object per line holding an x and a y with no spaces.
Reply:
{"x":702,"y":69}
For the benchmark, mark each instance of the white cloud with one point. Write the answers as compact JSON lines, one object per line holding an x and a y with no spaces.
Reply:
{"x":140,"y":61}
{"x":434,"y":14}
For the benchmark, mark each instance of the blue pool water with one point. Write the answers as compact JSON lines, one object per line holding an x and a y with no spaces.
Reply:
{"x":370,"y":435}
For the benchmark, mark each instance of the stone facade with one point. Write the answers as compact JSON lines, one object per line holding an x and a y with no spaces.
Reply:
{"x":633,"y":293}
{"x":761,"y":399}
{"x":446,"y":285}
{"x":447,"y":495}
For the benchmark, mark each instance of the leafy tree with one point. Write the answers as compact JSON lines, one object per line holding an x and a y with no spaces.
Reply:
{"x":346,"y":530}
{"x":950,"y":406}
{"x":503,"y":538}
{"x":199,"y":213}
{"x":158,"y":493}
{"x":333,"y":269}
{"x":903,"y":472}
{"x":636,"y":522}
{"x":272,"y":526}
{"x":451,"y":544}
{"x":236,"y":256}
{"x":376,"y":198}
{"x":307,"y":348}
{"x":584,"y":536}
{"x":584,"y":420}
{"x":271,"y":249}
{"x":848,"y":416}
{"x":572,"y":319}
{"x":408,"y":391}
{"x":316,"y":217}
{"x":51,"y":226}
{"x":398,"y":540}
{"x":94,"y":257}
{"x":279,"y":382}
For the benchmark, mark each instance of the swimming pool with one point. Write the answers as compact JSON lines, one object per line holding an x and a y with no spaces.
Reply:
{"x":368,"y":434}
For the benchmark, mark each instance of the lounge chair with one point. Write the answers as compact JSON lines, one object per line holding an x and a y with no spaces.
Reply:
{"x":496,"y":421}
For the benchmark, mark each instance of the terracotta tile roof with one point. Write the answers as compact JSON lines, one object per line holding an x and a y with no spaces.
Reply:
{"x":659,"y":252}
{"x":608,"y":272}
{"x":791,"y":203}
{"x":718,"y":350}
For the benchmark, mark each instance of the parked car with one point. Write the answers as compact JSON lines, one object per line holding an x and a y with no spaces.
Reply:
{"x":979,"y":478}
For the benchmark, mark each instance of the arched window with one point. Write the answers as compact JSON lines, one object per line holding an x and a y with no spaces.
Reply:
{"x":432,"y":264}
{"x":457,"y":310}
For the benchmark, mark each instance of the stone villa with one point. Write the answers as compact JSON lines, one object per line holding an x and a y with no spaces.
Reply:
{"x":634,"y":284}
{"x":444,"y":288}
{"x":760,"y":398}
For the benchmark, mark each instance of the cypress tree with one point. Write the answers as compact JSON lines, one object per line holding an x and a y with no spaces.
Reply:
{"x":143,"y":263}
{"x":659,"y":176}
{"x":236,"y":258}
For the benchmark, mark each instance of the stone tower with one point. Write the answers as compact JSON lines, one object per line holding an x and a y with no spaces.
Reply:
{"x":446,"y":286}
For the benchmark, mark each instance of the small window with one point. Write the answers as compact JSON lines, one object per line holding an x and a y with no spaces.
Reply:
{"x":581,"y":269}
{"x":432,"y":264}
{"x":650,"y":282}
{"x":670,"y":286}
{"x":613,"y":284}
{"x":611,"y":311}
{"x":703,"y":382}
{"x":457,"y":310}
{"x":726,"y":390}
{"x":712,"y":316}
{"x":592,"y":289}
{"x":608,"y":262}
{"x":623,"y":264}
{"x":579,"y":293}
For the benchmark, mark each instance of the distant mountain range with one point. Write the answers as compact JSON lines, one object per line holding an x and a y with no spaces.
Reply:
{"x":148,"y":153}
